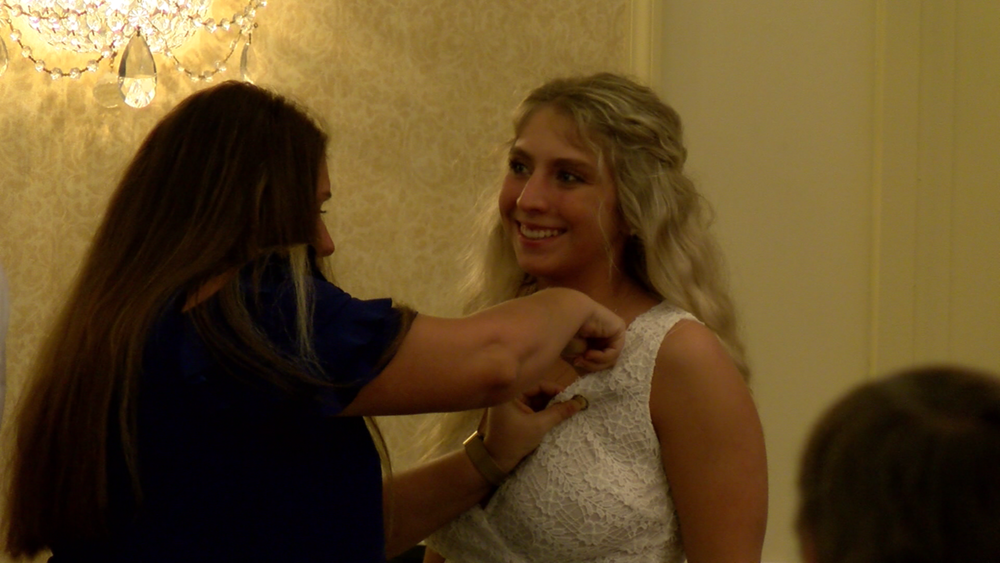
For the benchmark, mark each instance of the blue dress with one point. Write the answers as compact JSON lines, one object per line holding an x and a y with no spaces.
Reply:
{"x":234,"y":469}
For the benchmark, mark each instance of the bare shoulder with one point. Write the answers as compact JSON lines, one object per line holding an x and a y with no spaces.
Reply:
{"x":695,"y":376}
{"x":712,"y":446}
{"x":690,"y":349}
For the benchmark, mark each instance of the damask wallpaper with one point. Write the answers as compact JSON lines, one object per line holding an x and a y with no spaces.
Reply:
{"x":416,"y":93}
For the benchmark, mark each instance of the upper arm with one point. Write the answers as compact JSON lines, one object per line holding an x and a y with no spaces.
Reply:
{"x":712,"y":447}
{"x":441,"y":365}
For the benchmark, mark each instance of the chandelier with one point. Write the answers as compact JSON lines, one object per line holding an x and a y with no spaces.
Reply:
{"x":123,"y":35}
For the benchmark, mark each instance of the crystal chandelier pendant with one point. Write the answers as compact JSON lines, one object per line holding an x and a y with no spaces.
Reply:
{"x":137,"y":73}
{"x":3,"y":57}
{"x":249,"y":67}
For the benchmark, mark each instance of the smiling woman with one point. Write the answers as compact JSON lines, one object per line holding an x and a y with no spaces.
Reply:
{"x":668,"y":460}
{"x":548,"y":201}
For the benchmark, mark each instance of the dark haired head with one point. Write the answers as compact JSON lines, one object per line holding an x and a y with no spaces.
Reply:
{"x":227,"y":179}
{"x":906,"y":469}
{"x":230,"y":173}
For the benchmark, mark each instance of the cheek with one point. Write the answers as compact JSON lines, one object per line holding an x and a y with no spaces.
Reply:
{"x":507,"y":201}
{"x":613,"y":222}
{"x":614,"y":229}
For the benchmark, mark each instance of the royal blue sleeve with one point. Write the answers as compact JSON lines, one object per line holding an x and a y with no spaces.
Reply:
{"x":351,"y":337}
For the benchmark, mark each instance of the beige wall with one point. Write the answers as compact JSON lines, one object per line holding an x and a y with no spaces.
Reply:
{"x":850,"y":150}
{"x":416,"y":93}
{"x":937,"y":185}
{"x":777,"y":100}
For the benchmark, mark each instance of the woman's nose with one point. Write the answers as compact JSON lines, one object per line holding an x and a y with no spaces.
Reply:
{"x":533,"y":194}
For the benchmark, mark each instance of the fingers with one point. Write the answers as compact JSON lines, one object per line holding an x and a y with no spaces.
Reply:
{"x":574,"y":348}
{"x":543,"y":388}
{"x":598,"y":343}
{"x":512,"y":431}
{"x":538,"y":397}
{"x":597,"y":359}
{"x":603,"y":324}
{"x":549,"y":388}
{"x":559,"y":412}
{"x":601,"y":355}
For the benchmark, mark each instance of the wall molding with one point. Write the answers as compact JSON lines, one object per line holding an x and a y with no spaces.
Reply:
{"x":645,"y":40}
{"x":913,"y":183}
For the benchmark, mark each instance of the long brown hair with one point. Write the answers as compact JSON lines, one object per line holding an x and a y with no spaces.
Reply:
{"x":225,"y":180}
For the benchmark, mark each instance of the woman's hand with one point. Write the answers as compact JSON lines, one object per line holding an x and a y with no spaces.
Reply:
{"x":597,"y":343}
{"x":430,"y":495}
{"x":514,"y":429}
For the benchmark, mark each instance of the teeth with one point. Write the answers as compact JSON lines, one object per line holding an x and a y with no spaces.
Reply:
{"x":537,"y":233}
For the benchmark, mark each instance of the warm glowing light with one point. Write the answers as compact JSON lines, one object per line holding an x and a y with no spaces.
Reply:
{"x":129,"y":31}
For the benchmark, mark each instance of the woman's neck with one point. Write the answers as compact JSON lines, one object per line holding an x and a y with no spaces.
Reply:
{"x":620,"y":293}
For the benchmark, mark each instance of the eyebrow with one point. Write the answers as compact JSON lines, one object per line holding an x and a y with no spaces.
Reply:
{"x":520,"y":153}
{"x":516,"y":152}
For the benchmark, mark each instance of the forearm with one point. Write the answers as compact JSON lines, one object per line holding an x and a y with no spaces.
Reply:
{"x":489,"y":357}
{"x":536,"y":329}
{"x":423,"y":499}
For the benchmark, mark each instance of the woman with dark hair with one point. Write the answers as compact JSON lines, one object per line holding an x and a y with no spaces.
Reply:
{"x":203,"y":392}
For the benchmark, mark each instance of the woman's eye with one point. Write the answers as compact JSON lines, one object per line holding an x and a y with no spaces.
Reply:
{"x":569,"y":177}
{"x":517,"y":167}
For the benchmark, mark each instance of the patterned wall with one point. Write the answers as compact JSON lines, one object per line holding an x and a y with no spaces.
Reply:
{"x":416,"y":93}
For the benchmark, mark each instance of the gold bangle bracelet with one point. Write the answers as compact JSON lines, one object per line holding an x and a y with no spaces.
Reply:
{"x":482,"y":460}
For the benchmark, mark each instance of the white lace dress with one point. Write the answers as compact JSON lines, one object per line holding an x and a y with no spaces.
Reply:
{"x":595,"y":490}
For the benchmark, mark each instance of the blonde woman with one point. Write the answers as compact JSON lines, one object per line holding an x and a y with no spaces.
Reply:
{"x":668,"y":462}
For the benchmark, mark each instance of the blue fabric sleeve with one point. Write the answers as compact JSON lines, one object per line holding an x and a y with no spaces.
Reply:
{"x":350,"y":337}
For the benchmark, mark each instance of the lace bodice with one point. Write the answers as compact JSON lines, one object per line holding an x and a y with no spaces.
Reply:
{"x":595,"y":490}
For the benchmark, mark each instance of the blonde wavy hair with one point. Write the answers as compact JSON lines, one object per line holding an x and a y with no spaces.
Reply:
{"x":671,"y":252}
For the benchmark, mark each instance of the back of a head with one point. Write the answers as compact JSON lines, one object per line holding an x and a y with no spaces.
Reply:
{"x":906,"y":469}
{"x":230,"y":171}
{"x":227,"y":177}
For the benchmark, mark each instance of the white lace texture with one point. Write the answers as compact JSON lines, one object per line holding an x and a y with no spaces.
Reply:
{"x":595,"y":490}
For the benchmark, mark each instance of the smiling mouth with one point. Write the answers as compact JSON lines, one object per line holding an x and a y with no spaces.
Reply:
{"x":537,"y":234}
